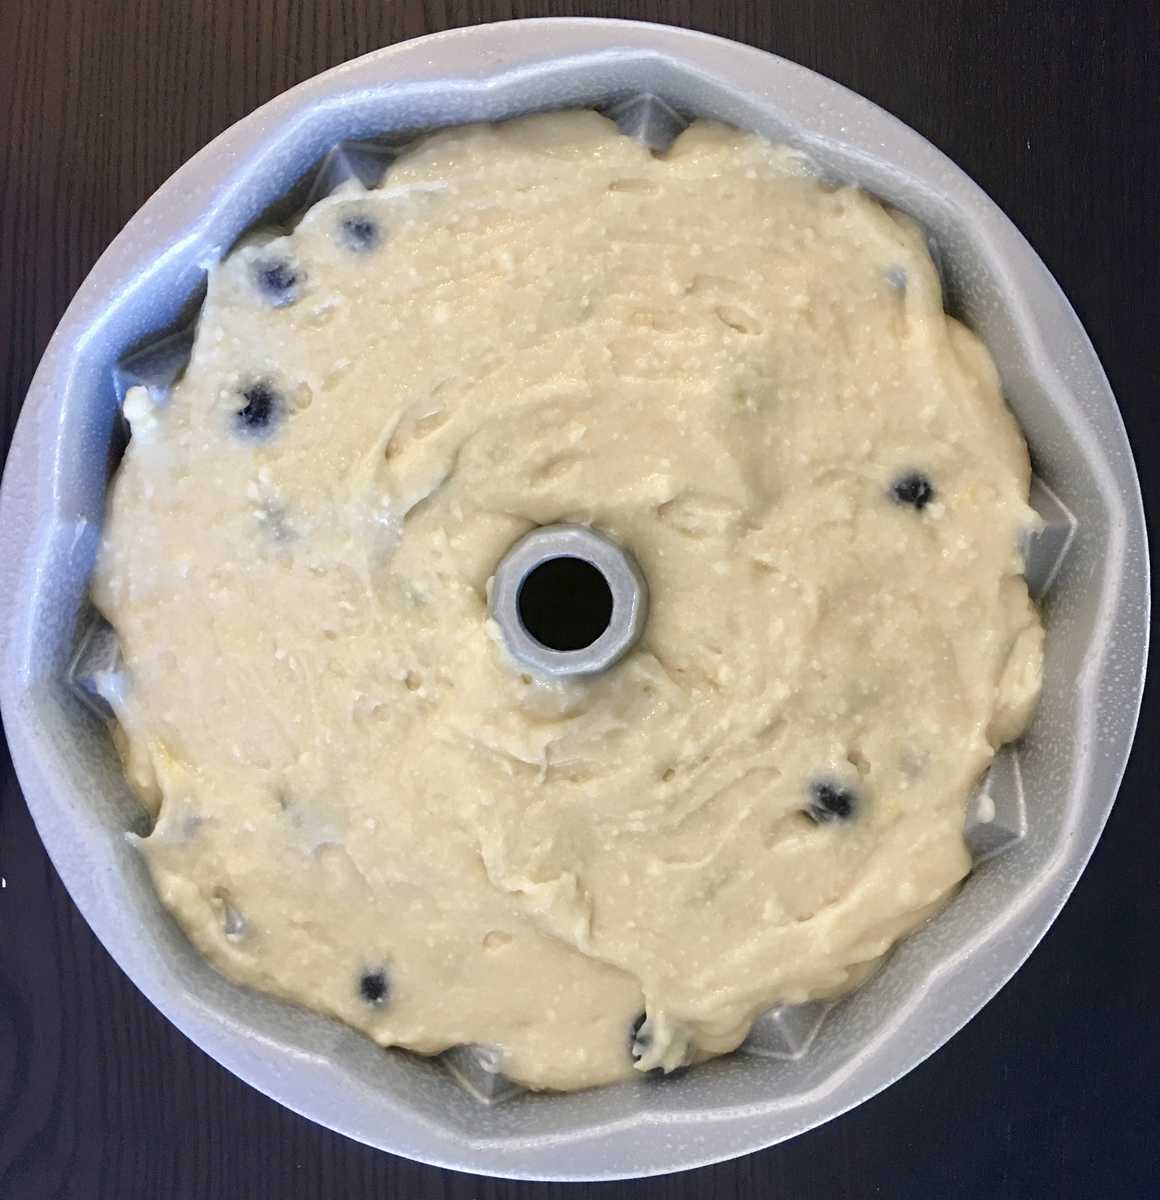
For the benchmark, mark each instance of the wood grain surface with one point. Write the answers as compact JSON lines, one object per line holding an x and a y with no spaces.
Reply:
{"x":1054,"y":1090}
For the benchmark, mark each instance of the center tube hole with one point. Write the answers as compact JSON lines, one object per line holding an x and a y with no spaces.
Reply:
{"x":565,"y":603}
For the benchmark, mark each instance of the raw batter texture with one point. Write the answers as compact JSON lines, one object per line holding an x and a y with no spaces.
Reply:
{"x":742,"y":374}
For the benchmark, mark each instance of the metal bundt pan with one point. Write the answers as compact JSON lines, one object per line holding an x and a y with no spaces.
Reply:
{"x":1051,"y":793}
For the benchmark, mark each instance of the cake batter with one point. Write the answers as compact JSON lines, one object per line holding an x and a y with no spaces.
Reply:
{"x":742,"y":374}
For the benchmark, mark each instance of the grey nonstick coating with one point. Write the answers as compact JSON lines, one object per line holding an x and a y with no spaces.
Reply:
{"x":1051,"y":794}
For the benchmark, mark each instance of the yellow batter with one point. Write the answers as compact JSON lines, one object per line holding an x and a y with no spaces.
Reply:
{"x":744,"y":376}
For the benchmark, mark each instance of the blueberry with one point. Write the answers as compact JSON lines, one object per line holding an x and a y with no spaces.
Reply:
{"x":261,"y":406}
{"x":360,"y":232}
{"x":373,"y":987}
{"x":639,"y":1042}
{"x":914,"y":489}
{"x":278,"y":280}
{"x":636,"y":1042}
{"x":831,"y":802}
{"x":896,"y":277}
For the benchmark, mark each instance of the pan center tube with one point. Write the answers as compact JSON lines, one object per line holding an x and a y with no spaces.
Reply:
{"x":568,"y":600}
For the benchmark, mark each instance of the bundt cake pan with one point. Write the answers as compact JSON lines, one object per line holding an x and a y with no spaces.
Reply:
{"x":1046,"y":799}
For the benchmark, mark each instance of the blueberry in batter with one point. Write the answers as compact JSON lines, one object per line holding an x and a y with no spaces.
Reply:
{"x":373,"y":987}
{"x":914,"y":489}
{"x":278,"y":281}
{"x":360,"y":232}
{"x":831,"y":802}
{"x":260,"y":407}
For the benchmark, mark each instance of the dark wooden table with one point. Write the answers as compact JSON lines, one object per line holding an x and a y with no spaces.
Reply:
{"x":1054,"y":1090}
